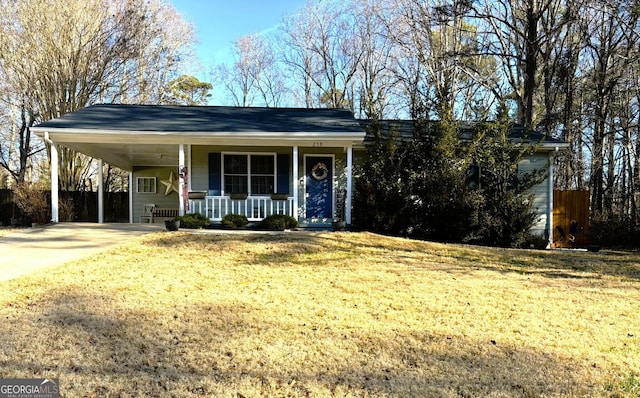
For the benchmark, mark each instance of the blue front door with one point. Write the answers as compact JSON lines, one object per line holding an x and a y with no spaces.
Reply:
{"x":319,"y":186}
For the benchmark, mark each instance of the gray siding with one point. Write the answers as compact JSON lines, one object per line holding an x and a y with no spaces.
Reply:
{"x":541,"y":191}
{"x":159,"y":198}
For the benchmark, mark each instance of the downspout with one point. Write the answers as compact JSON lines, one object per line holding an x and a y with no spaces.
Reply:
{"x":54,"y":179}
{"x":549,"y":229}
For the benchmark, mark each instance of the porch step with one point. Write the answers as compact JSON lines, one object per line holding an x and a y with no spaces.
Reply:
{"x":315,"y":227}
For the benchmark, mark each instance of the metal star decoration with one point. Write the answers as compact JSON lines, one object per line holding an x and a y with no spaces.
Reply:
{"x":171,"y":184}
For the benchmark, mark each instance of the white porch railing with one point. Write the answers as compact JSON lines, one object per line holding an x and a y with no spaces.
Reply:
{"x":255,"y":208}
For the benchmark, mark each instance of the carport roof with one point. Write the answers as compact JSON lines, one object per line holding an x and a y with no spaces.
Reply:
{"x":188,"y":119}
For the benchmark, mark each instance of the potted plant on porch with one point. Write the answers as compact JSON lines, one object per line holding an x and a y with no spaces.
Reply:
{"x":173,"y":224}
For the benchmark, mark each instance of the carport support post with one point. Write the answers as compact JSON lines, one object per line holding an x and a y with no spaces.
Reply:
{"x":131,"y":197}
{"x":550,"y":203}
{"x":181,"y":180}
{"x":100,"y":192}
{"x":295,"y":182}
{"x":54,"y":179}
{"x":347,"y":207}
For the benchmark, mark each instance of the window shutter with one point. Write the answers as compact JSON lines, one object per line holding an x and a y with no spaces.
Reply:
{"x":215,"y":174}
{"x":283,"y":173}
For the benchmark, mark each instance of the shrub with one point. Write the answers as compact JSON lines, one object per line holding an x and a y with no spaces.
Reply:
{"x":32,"y":201}
{"x":613,"y":231}
{"x":503,"y":212}
{"x":278,"y":222}
{"x":234,"y":221}
{"x":65,"y":209}
{"x":436,"y":186}
{"x":193,"y":221}
{"x":531,"y":241}
{"x":380,"y":203}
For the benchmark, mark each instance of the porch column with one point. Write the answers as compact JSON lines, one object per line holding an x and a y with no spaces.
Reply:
{"x":181,"y":181}
{"x":347,"y":208}
{"x":188,"y":156}
{"x":550,"y":202}
{"x":131,"y":197}
{"x":54,"y":179}
{"x":295,"y":182}
{"x":100,"y":192}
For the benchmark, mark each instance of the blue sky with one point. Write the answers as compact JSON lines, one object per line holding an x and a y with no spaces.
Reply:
{"x":219,"y":22}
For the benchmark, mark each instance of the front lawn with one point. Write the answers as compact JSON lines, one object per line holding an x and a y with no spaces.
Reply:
{"x":326,"y":314}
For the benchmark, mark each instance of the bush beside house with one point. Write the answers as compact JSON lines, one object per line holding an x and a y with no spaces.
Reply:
{"x":438,"y":186}
{"x":194,"y":221}
{"x":278,"y":222}
{"x":234,"y":221}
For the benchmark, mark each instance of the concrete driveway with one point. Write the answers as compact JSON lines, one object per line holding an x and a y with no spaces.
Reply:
{"x":24,"y":251}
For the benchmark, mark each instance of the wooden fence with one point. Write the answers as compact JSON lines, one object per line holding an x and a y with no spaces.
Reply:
{"x":570,"y":219}
{"x":85,"y":207}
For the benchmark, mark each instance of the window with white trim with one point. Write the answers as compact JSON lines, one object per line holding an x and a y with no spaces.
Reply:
{"x":146,"y":185}
{"x":249,"y":173}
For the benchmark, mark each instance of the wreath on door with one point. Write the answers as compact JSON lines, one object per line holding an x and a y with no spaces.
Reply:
{"x":320,"y":171}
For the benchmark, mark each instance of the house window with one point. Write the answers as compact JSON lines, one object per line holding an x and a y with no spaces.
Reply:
{"x":262,"y":174}
{"x":236,"y":174}
{"x":146,"y":185}
{"x":252,"y":174}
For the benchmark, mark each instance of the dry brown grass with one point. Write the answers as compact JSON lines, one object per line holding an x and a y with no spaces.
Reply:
{"x":319,"y":314}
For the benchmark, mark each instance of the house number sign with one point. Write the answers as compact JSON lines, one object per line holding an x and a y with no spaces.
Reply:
{"x":317,"y":144}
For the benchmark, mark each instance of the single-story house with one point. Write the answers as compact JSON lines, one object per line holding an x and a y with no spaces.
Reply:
{"x":218,"y":160}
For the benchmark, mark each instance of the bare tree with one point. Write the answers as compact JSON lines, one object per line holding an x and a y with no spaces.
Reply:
{"x":513,"y":32}
{"x":564,"y":92}
{"x":325,"y":50}
{"x":16,"y":147}
{"x":59,"y":56}
{"x":255,"y":76}
{"x":161,"y":45}
{"x":297,"y":55}
{"x":375,"y":79}
{"x":436,"y":35}
{"x":608,"y":56}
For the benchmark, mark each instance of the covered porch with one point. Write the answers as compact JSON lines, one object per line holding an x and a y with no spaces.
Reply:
{"x":218,"y":160}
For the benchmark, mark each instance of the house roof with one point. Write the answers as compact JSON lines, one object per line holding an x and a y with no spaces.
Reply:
{"x":190,"y":119}
{"x":405,"y":129}
{"x":149,"y":135}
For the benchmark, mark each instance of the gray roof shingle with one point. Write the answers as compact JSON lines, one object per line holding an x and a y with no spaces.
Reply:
{"x":405,"y":130}
{"x":179,"y":119}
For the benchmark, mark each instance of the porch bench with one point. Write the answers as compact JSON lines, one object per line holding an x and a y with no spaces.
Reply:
{"x":161,"y":214}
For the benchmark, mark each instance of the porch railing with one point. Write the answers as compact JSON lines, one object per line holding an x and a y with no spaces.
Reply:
{"x":255,"y":208}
